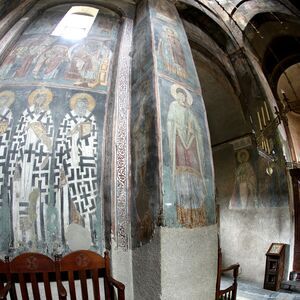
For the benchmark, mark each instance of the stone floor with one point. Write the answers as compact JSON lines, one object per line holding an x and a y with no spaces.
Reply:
{"x":252,"y":291}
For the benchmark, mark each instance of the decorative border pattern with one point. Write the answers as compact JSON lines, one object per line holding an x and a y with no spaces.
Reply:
{"x":121,"y":141}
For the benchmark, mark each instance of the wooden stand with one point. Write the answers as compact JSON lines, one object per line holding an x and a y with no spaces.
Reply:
{"x":274,"y":266}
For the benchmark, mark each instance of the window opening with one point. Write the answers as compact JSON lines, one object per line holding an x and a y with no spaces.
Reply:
{"x":76,"y":23}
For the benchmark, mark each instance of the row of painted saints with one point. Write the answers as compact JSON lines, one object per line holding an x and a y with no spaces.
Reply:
{"x":84,"y":64}
{"x":31,"y":149}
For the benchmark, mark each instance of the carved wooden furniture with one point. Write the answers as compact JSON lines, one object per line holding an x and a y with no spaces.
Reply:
{"x":86,"y":264}
{"x":230,"y":292}
{"x":38,"y":271}
{"x":274,"y":266}
{"x":34,"y":268}
{"x":5,"y":284}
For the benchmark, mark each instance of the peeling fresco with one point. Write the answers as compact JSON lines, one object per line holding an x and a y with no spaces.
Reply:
{"x":40,"y":56}
{"x":188,"y":182}
{"x":188,"y":185}
{"x":258,"y":182}
{"x":53,"y":96}
{"x":52,"y":158}
{"x":144,"y":148}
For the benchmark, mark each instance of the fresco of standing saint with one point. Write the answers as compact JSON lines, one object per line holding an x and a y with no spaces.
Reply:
{"x":186,"y":152}
{"x":76,"y":165}
{"x":29,"y":168}
{"x":245,"y":187}
{"x":171,"y":54}
{"x":7,"y":98}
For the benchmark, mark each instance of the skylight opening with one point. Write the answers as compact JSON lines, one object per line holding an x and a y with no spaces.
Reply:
{"x":77,"y":22}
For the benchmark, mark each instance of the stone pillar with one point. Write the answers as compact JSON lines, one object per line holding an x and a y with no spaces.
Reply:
{"x":174,"y":235}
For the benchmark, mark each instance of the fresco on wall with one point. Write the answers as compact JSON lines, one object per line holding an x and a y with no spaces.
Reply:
{"x":142,"y":57}
{"x":106,"y":25}
{"x":38,"y":56}
{"x":272,"y":183}
{"x":7,"y":98}
{"x":76,"y":154}
{"x":256,"y":185}
{"x":171,"y":53}
{"x":46,"y":23}
{"x":188,"y":173}
{"x":245,"y":186}
{"x":165,"y":11}
{"x":29,"y":166}
{"x":144,"y":161}
{"x":51,"y":148}
{"x":52,"y":105}
{"x":24,"y":55}
{"x":89,"y":64}
{"x":187,"y":185}
{"x":172,"y":48}
{"x":187,"y":156}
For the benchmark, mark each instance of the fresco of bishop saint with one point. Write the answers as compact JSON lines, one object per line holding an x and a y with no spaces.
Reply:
{"x":76,"y":177}
{"x":29,"y":168}
{"x":7,"y":98}
{"x":187,"y":156}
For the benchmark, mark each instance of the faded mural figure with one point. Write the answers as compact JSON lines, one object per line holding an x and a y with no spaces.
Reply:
{"x":51,"y":62}
{"x":7,"y":98}
{"x":187,"y":155}
{"x":76,"y":177}
{"x":245,"y":187}
{"x":29,"y":168}
{"x":19,"y":62}
{"x":89,"y":64}
{"x":171,"y":53}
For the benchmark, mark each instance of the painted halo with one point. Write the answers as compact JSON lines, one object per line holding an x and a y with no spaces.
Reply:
{"x":78,"y":96}
{"x":41,"y":91}
{"x":243,"y":156}
{"x":174,"y":93}
{"x":10,"y":95}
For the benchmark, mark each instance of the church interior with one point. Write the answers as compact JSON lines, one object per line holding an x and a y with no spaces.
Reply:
{"x":163,"y":131}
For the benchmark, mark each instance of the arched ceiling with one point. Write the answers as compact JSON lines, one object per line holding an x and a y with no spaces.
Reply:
{"x":205,"y":23}
{"x":225,"y":115}
{"x":275,"y":40}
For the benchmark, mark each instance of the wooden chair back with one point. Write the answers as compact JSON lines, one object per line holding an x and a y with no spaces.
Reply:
{"x":85,"y":265}
{"x":4,"y":274}
{"x":230,"y":292}
{"x":33,"y":268}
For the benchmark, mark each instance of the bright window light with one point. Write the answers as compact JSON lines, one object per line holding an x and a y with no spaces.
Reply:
{"x":77,"y":22}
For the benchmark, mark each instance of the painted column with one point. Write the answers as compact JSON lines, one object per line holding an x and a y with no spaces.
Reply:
{"x":173,"y":180}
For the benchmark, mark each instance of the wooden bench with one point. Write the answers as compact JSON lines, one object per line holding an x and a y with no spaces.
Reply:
{"x":40,"y":272}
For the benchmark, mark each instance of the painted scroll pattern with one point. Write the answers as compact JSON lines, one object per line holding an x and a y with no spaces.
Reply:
{"x":122,"y":121}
